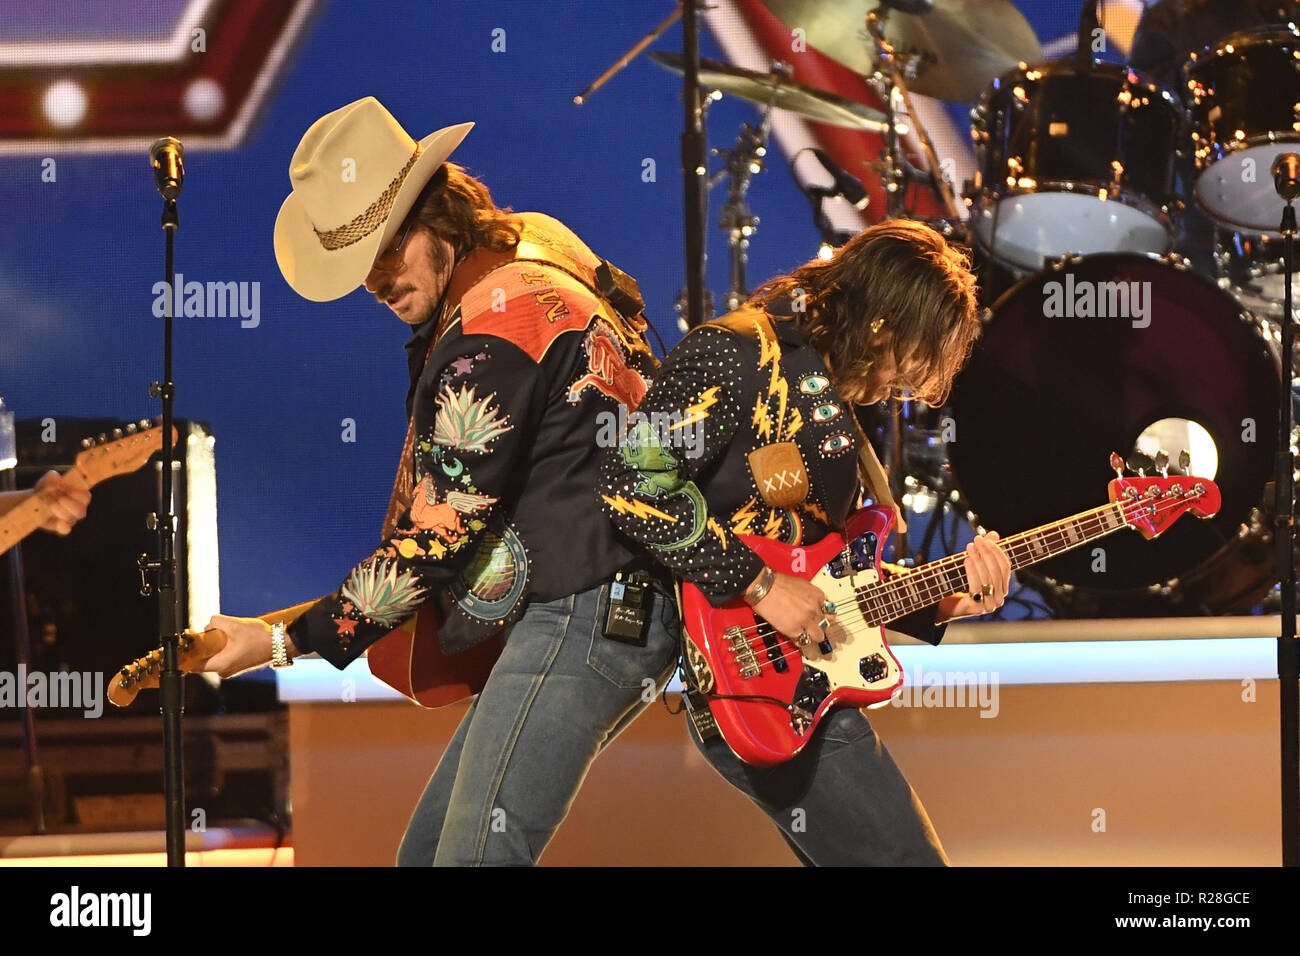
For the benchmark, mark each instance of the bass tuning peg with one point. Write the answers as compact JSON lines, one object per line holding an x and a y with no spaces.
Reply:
{"x":1162,"y":463}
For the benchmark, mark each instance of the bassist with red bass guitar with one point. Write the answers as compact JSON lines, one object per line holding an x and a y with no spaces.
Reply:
{"x":749,"y":430}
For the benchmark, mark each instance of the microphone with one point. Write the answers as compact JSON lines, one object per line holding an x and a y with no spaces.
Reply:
{"x":1286,"y":176}
{"x":167,"y":156}
{"x":846,"y":185}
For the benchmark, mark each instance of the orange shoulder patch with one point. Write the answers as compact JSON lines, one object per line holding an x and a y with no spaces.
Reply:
{"x":529,"y":304}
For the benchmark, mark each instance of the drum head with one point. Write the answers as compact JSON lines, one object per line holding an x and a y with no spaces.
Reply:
{"x":1025,"y":230}
{"x":1238,"y":189}
{"x":1054,"y":386}
{"x":1242,"y":98}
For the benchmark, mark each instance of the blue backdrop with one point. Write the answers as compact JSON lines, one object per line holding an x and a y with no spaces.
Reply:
{"x":297,"y":505}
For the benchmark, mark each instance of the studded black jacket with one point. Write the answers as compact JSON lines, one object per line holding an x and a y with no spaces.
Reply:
{"x":742,"y":432}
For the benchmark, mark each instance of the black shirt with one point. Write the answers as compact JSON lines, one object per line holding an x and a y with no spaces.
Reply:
{"x":688,"y":483}
{"x":506,"y":411}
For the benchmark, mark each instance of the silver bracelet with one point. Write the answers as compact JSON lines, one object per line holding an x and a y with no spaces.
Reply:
{"x":758,"y":590}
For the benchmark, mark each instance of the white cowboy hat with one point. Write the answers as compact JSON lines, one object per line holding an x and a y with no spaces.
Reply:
{"x":355,"y":175}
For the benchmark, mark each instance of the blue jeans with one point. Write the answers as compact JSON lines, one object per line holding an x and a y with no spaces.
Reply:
{"x":559,"y":693}
{"x":841,"y":802}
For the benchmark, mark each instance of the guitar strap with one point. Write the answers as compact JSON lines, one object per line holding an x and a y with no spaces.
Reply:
{"x":873,"y":475}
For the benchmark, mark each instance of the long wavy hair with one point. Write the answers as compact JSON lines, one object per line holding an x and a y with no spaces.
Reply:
{"x":904,"y":278}
{"x":459,"y":208}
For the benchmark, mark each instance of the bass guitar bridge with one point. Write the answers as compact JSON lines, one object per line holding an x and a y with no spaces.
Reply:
{"x":743,"y":652}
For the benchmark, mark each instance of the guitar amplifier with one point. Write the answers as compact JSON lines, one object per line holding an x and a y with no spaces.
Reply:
{"x":84,"y":608}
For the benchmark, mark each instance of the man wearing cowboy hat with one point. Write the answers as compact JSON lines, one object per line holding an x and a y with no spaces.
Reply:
{"x":524,"y":342}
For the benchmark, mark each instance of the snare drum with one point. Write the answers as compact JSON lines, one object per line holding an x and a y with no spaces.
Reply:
{"x":1074,"y":160}
{"x":1244,"y":99}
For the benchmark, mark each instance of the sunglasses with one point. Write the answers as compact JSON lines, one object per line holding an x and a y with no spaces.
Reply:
{"x":391,"y":259}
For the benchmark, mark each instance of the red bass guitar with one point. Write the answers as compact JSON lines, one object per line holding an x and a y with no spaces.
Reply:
{"x":768,"y":692}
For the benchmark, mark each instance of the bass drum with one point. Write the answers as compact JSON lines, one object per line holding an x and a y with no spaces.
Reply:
{"x":1118,"y":352}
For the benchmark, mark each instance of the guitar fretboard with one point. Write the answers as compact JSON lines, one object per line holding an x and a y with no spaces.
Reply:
{"x":888,"y":600}
{"x":17,"y":523}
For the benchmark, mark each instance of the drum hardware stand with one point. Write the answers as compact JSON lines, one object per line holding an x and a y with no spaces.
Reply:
{"x":1286,"y":179}
{"x":696,"y":306}
{"x":167,"y":159}
{"x":742,"y":163}
{"x":942,"y":505}
{"x":898,"y":172}
{"x":22,"y":636}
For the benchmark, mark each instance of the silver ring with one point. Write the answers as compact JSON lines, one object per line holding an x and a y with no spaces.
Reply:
{"x":824,"y":623}
{"x":828,"y":607}
{"x":987,"y":590}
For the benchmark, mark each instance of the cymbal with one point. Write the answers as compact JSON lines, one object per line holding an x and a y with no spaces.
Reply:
{"x":959,"y":46}
{"x":783,"y":93}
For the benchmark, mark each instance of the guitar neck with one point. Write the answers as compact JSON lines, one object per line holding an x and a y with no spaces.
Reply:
{"x":25,"y":517}
{"x":288,"y":615}
{"x":20,"y":521}
{"x":887,"y":600}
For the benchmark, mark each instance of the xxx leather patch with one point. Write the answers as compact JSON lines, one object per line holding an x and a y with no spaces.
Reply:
{"x":780,"y":474}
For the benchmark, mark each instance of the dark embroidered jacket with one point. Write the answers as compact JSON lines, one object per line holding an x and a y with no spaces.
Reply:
{"x":507,"y":412}
{"x":742,"y":433}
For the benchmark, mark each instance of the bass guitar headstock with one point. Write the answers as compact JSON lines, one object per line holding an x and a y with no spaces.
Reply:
{"x":1152,"y":503}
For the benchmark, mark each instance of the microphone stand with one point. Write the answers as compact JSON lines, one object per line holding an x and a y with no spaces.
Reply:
{"x":164,"y":523}
{"x":695,"y":163}
{"x":1287,"y":183}
{"x":697,"y":304}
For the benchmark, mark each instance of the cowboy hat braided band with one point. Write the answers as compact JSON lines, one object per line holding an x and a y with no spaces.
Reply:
{"x":369,"y":220}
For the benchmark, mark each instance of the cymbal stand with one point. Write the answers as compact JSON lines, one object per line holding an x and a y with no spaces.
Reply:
{"x":742,"y":163}
{"x":898,"y":172}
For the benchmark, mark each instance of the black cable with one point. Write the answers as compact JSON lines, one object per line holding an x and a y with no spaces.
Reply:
{"x":663,"y":352}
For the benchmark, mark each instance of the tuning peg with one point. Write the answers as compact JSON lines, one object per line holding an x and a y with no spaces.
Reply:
{"x":102,"y":438}
{"x":1117,"y":464}
{"x":130,"y":428}
{"x":1162,"y":463}
{"x":117,"y":433}
{"x":144,"y":423}
{"x":86,"y":443}
{"x":1140,"y":464}
{"x":1185,"y":462}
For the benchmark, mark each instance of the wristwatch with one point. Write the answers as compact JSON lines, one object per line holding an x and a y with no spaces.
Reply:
{"x":279,"y":653}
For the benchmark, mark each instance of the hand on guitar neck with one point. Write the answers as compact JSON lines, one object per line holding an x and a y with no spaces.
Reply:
{"x":246,"y":641}
{"x":228,"y":646}
{"x":58,"y":501}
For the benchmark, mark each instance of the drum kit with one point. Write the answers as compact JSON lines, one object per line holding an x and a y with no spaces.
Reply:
{"x":1085,"y":173}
